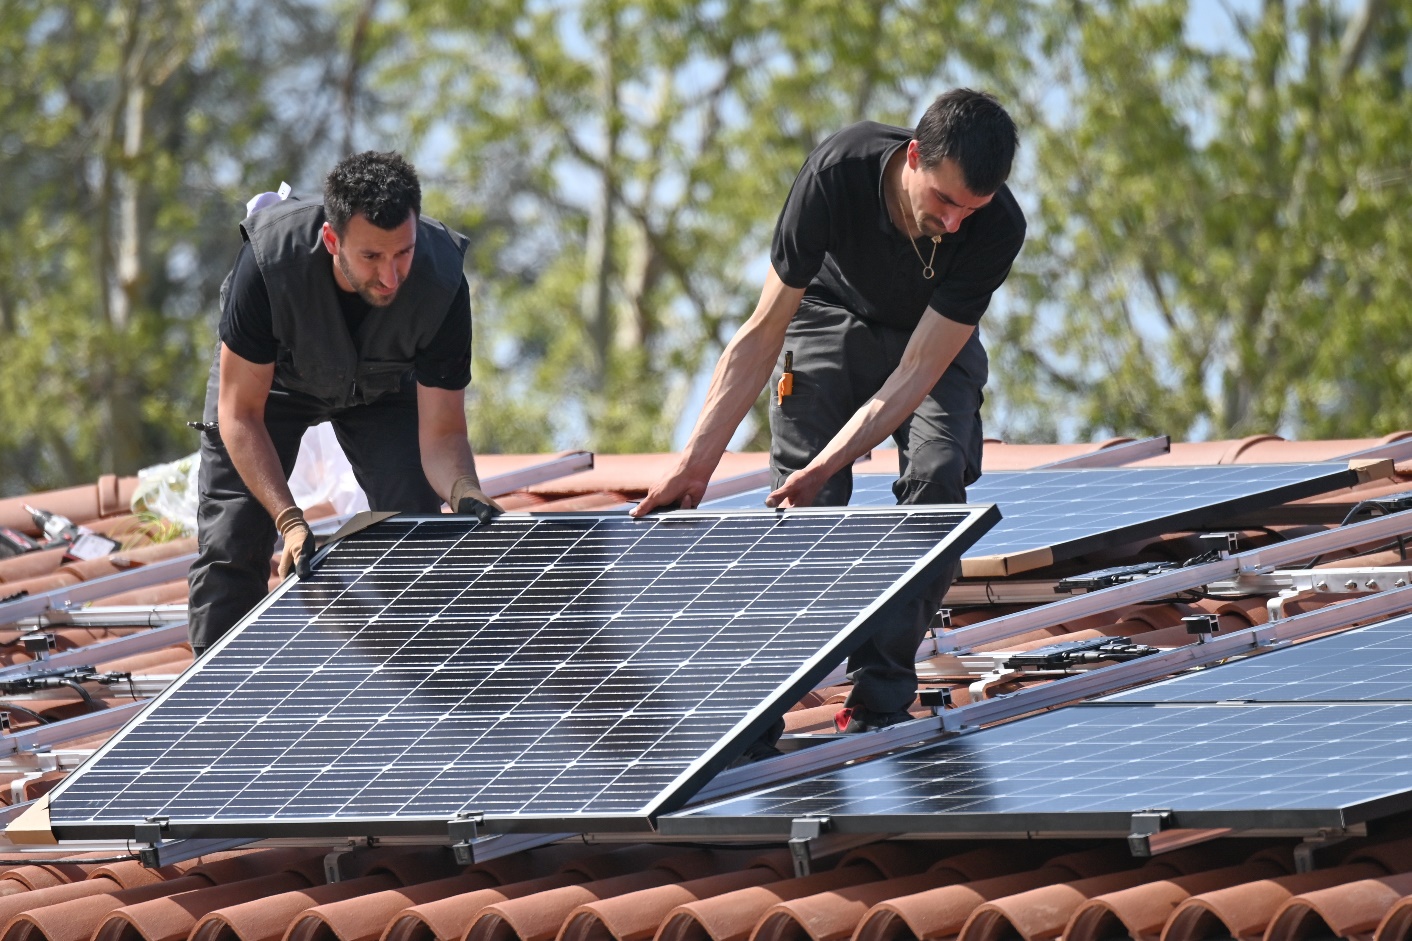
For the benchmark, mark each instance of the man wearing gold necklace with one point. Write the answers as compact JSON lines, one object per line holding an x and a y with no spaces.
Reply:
{"x":884,"y":258}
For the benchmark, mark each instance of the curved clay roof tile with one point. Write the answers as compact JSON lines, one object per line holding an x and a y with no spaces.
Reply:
{"x":448,"y":918}
{"x":732,"y":916}
{"x":365,"y":917}
{"x":1343,"y":911}
{"x":1243,"y":911}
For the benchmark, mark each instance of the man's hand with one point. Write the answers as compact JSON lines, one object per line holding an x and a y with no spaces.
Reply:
{"x":468,"y":499}
{"x":684,"y":488}
{"x":298,"y":542}
{"x":800,"y":489}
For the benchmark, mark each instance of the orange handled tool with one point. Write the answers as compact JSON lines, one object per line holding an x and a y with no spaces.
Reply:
{"x":786,"y":386}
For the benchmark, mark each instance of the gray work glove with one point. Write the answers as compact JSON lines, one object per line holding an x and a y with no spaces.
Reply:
{"x":298,"y":542}
{"x":467,"y":498}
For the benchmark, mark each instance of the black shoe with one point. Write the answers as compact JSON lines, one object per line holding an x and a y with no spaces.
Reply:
{"x":763,"y":747}
{"x":853,"y":719}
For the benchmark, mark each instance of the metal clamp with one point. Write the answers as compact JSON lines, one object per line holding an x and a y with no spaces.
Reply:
{"x":802,"y":833}
{"x":1145,"y":826}
{"x":463,"y":831}
{"x":151,"y":834}
{"x":1306,"y":852}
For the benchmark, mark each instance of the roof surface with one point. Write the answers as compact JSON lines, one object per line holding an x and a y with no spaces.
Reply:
{"x":1217,"y":885}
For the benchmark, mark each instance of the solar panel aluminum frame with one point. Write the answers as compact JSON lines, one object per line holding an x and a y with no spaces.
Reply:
{"x":690,"y":823}
{"x":979,"y":518}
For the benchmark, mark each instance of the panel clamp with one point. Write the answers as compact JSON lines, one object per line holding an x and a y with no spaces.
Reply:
{"x":1144,"y":827}
{"x":1307,"y":852}
{"x":803,"y":831}
{"x":150,"y":833}
{"x":463,"y":831}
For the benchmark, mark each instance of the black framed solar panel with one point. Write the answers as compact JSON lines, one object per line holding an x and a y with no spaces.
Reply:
{"x":539,"y":673}
{"x":1092,"y":768}
{"x":1367,"y":664}
{"x":1053,"y":515}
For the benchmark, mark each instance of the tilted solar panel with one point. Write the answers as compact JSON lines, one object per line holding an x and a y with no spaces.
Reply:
{"x":541,"y":671}
{"x":1052,"y":515}
{"x":1091,"y":768}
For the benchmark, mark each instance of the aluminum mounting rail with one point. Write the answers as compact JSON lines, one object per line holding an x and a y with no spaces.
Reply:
{"x":1114,"y":456}
{"x":70,"y":596}
{"x":54,"y":733}
{"x":1253,"y":561}
{"x":103,"y":651}
{"x":498,"y":485}
{"x":1399,"y":450}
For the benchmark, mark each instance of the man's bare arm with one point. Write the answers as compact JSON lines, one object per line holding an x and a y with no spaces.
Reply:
{"x":741,"y":372}
{"x":934,"y":344}
{"x":441,"y":434}
{"x":240,"y":409}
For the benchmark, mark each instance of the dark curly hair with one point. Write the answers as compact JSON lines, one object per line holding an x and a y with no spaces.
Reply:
{"x":383,"y":187}
{"x":972,"y":128}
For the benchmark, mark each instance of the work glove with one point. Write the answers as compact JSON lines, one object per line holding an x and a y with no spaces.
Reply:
{"x":467,"y":498}
{"x":298,"y":542}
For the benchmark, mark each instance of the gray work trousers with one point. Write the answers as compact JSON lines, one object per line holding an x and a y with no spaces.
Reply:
{"x":840,"y":362}
{"x":236,"y":536}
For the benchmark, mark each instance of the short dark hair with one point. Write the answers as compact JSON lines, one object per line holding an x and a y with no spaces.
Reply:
{"x":383,"y":187}
{"x":972,"y":128}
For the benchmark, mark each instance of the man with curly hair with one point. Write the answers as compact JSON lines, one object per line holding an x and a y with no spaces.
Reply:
{"x":355,"y":311}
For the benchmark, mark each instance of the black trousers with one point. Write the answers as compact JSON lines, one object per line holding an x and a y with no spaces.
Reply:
{"x":235,"y":534}
{"x":840,"y":362}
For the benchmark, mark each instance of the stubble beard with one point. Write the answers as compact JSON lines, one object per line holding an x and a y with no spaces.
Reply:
{"x":373,"y":300}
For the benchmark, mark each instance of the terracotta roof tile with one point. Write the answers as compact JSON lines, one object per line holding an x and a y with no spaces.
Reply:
{"x":77,"y":919}
{"x":636,"y":916}
{"x":171,"y":917}
{"x":1243,"y":911}
{"x":943,"y":912}
{"x":267,"y":917}
{"x":539,"y":917}
{"x":448,"y":918}
{"x":365,"y":917}
{"x":733,"y":915}
{"x":1353,"y":909}
{"x":1142,"y":911}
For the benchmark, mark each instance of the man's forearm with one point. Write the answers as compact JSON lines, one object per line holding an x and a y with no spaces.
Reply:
{"x":930,"y":351}
{"x":253,"y":452}
{"x":742,"y":371}
{"x":446,"y":459}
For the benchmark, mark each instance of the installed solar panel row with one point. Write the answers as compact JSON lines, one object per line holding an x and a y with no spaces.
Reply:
{"x":1051,"y":515}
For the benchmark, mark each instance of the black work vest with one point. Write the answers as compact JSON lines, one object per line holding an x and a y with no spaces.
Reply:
{"x":316,"y":355}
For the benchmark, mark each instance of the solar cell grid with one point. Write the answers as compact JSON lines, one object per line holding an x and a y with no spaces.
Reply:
{"x":1369,"y":664}
{"x":1076,"y":511}
{"x":1094,"y":766}
{"x":541,"y":667}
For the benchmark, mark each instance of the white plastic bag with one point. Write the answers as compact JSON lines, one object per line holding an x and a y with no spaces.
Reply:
{"x":321,"y":475}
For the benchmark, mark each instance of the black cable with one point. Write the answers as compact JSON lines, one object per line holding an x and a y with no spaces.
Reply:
{"x":11,"y":707}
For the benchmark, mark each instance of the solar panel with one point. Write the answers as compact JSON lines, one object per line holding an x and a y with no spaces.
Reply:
{"x":1369,"y":664}
{"x":539,"y":671}
{"x":1052,"y":515}
{"x":1091,"y":768}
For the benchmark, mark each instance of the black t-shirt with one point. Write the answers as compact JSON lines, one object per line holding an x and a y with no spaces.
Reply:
{"x":835,"y":238}
{"x":247,"y":326}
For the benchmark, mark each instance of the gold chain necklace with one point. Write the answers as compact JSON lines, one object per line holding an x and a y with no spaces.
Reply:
{"x":928,"y":271}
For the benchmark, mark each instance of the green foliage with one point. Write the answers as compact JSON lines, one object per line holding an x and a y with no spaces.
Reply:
{"x":619,"y":165}
{"x":1221,"y":246}
{"x":1219,"y":241}
{"x":131,"y":132}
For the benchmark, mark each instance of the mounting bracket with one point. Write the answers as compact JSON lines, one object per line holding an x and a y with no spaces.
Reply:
{"x":1144,"y":827}
{"x":803,"y":831}
{"x":463,"y":830}
{"x":1306,"y":852}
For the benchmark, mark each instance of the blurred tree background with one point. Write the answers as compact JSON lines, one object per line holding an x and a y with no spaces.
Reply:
{"x":1220,"y":199}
